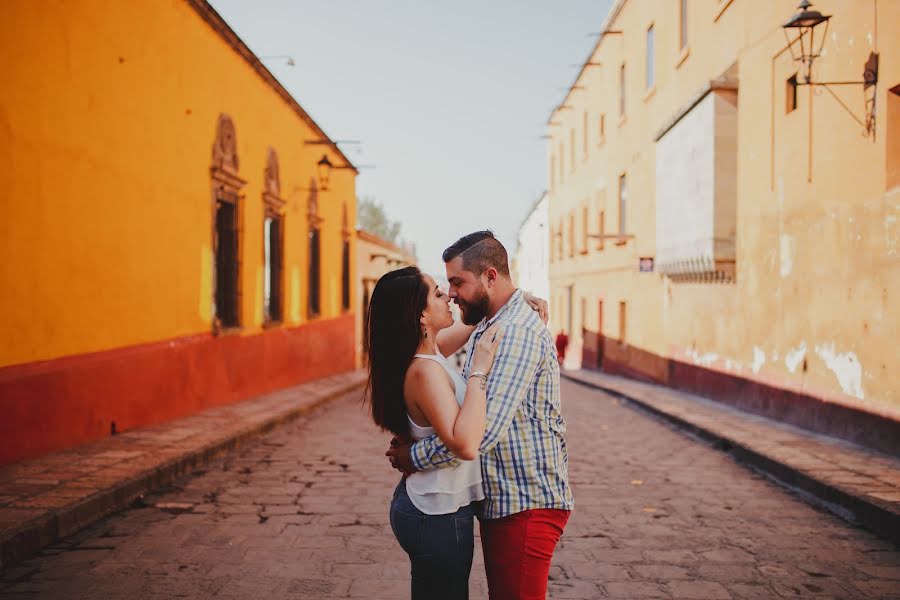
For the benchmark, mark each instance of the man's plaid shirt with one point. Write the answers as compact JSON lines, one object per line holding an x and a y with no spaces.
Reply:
{"x":524,"y":462}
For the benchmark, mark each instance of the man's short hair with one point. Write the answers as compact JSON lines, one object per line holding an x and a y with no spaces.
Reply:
{"x":480,"y":251}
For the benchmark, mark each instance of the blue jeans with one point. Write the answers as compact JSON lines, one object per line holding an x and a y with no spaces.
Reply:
{"x":439,"y":546}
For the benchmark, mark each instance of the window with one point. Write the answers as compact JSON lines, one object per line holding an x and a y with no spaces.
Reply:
{"x":273,"y":253}
{"x":552,"y":171}
{"x":273,"y":245}
{"x":559,"y":241}
{"x":562,"y":160}
{"x":226,"y":236}
{"x":650,"y":74}
{"x":587,"y":135}
{"x":572,"y":150}
{"x":683,"y":26}
{"x":584,"y":229}
{"x":345,"y":261}
{"x":892,"y":144}
{"x":313,"y":305}
{"x":623,"y":320}
{"x":623,"y":204}
{"x":571,"y":234}
{"x":601,"y":228}
{"x":622,"y":91}
{"x":790,"y":94}
{"x":226,"y":257}
{"x":601,"y":128}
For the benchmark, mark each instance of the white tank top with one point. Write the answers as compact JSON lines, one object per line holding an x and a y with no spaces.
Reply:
{"x":444,"y":491}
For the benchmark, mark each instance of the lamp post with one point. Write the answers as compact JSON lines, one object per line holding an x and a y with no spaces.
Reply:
{"x":324,"y":169}
{"x":805,"y":50}
{"x":805,"y":22}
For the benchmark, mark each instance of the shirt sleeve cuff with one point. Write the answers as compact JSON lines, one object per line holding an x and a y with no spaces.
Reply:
{"x":418,"y":456}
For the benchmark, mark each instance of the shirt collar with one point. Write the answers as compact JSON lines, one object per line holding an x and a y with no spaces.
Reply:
{"x":514,"y":300}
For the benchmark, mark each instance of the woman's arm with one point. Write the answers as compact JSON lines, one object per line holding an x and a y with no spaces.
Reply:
{"x":451,"y":339}
{"x":461,"y":429}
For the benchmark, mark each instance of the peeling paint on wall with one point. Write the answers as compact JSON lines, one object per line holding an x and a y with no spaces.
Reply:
{"x":794,"y":357}
{"x":786,"y":255}
{"x":706,"y":360}
{"x":759,"y":359}
{"x":846,"y":367}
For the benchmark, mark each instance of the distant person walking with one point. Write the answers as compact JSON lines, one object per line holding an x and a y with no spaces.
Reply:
{"x":562,"y":342}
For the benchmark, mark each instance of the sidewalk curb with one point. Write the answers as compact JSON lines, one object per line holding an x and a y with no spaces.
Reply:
{"x":30,"y":537}
{"x":879,"y":519}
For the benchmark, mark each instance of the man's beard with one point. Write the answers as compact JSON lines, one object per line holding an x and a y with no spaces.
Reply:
{"x":475,"y":310}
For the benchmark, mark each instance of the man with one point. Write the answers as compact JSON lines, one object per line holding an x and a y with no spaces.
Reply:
{"x":523,"y":454}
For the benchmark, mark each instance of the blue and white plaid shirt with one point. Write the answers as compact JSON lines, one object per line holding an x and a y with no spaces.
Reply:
{"x":524,"y":462}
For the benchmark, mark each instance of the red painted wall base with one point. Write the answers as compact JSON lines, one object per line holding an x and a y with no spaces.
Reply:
{"x":814,"y":413}
{"x":56,"y":404}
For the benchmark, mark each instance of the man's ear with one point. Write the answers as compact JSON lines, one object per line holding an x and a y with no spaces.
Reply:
{"x":491,"y":275}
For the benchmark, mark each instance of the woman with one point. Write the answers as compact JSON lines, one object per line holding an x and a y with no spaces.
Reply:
{"x":415,"y":392}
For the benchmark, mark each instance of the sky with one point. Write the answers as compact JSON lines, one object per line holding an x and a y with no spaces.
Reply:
{"x":447,"y":99}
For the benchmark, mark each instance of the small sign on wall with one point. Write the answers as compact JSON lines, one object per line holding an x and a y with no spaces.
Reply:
{"x":645,"y":264}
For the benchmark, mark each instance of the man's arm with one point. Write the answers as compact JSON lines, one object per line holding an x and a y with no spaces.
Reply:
{"x":515,"y":366}
{"x":517,"y":361}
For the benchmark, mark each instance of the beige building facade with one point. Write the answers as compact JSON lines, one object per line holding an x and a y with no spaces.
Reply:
{"x":374,"y":258}
{"x":719,"y":226}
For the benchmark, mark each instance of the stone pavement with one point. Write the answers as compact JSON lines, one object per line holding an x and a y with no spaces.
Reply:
{"x":856,"y":483}
{"x":46,"y":499}
{"x":302,"y":513}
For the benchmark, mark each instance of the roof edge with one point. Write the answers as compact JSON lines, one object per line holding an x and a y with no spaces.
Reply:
{"x":607,"y":23}
{"x":220,"y":26}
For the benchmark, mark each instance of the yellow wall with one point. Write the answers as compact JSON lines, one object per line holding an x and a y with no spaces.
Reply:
{"x":818,"y":273}
{"x":107,"y":120}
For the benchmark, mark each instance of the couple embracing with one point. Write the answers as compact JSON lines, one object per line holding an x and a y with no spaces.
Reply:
{"x":488,"y":442}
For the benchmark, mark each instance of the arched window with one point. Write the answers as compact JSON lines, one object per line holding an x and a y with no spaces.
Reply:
{"x":273,"y":241}
{"x":226,"y":195}
{"x":315,"y":224}
{"x":345,"y":260}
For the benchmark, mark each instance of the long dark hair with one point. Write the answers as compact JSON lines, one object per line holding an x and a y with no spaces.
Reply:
{"x":392,"y":336}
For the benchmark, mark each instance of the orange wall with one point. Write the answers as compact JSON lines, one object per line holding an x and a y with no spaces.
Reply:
{"x":107,"y":120}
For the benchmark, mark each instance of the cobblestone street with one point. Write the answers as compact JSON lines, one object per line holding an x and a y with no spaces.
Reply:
{"x":302,"y":513}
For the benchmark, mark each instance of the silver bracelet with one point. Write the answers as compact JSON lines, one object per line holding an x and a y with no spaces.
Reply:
{"x":480,"y":374}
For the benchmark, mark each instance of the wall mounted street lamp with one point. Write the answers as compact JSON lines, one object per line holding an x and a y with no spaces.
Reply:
{"x":805,"y":50}
{"x":324,"y":170}
{"x":323,"y":177}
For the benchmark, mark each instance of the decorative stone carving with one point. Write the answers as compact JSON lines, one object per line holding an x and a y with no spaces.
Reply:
{"x":272,"y":178}
{"x":272,"y":184}
{"x":224,"y":150}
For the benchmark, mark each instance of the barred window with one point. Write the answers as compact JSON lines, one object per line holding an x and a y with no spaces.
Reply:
{"x":273,"y":244}
{"x":226,"y":197}
{"x":313,"y":304}
{"x":345,"y":261}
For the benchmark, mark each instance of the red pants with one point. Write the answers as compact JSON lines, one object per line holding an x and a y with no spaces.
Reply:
{"x":517,"y":552}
